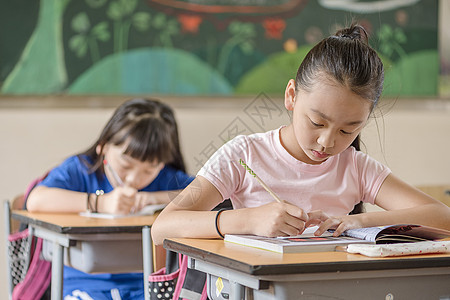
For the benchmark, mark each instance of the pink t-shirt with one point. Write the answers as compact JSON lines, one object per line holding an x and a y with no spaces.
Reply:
{"x":334,"y":186}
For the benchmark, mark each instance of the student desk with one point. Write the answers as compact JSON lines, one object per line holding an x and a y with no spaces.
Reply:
{"x":245,"y":270}
{"x":124,"y":243}
{"x":439,"y":192}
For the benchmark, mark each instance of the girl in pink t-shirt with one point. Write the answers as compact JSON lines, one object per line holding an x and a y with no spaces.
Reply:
{"x":312,"y":164}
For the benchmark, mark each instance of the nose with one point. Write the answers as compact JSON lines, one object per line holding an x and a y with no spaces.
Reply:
{"x":132,"y":179}
{"x":326,"y":139}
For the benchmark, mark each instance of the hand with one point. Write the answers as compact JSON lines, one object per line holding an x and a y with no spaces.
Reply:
{"x":143,"y":199}
{"x":277,"y":219}
{"x":339,"y":224}
{"x":118,"y":201}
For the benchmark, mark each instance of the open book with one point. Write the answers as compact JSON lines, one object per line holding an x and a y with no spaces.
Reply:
{"x":307,"y":242}
{"x":145,"y":211}
{"x":398,"y":234}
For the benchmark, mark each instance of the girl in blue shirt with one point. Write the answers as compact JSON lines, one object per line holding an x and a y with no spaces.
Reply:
{"x":135,"y":162}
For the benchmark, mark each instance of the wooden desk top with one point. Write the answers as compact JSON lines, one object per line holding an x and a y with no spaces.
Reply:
{"x":76,"y":224}
{"x":261,"y":262}
{"x":439,"y":192}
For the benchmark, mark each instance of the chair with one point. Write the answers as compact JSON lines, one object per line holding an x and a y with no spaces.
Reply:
{"x":17,"y":247}
{"x":438,"y":192}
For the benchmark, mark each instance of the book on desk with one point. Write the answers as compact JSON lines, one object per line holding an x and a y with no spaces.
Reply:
{"x":145,"y":211}
{"x":307,"y":242}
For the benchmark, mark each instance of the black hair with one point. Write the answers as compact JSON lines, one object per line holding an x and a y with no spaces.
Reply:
{"x":346,"y":58}
{"x":150,"y":129}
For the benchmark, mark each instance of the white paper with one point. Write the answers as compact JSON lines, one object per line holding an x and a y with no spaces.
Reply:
{"x":145,"y":211}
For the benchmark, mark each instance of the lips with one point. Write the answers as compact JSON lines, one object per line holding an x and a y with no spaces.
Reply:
{"x":319,"y":154}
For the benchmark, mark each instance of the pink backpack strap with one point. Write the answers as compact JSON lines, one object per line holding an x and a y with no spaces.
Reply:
{"x":190,"y":289}
{"x":37,"y":278}
{"x":33,"y":184}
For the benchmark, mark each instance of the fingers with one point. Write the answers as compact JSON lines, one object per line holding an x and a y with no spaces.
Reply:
{"x":318,"y":217}
{"x":123,"y":199}
{"x":296,"y":212}
{"x":339,"y":224}
{"x":283,"y":219}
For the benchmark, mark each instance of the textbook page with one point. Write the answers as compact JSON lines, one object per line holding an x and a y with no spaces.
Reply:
{"x":306,"y":242}
{"x":145,"y":211}
{"x":398,"y":233}
{"x":367,"y":233}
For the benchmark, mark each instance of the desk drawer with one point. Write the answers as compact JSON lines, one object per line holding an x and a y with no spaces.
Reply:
{"x":102,"y":253}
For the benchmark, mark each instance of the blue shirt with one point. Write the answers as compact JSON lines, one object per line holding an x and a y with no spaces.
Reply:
{"x":74,"y":175}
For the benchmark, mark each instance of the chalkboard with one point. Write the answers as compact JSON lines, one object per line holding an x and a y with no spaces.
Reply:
{"x":202,"y":47}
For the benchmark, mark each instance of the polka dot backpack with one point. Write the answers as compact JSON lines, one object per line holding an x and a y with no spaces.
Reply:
{"x":177,"y":281}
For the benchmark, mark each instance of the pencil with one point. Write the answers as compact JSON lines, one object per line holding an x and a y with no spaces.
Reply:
{"x":265,"y":186}
{"x":114,"y":174}
{"x":118,"y":181}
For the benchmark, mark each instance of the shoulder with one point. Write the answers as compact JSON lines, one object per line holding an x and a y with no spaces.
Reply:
{"x":255,"y":140}
{"x":72,"y":174}
{"x":74,"y":164}
{"x":363,"y":162}
{"x":172,"y":178}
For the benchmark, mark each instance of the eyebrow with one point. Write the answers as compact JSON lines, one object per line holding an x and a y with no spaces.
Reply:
{"x":324,"y":116}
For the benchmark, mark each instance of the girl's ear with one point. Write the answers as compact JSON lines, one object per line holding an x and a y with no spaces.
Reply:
{"x":99,"y":151}
{"x":289,"y":95}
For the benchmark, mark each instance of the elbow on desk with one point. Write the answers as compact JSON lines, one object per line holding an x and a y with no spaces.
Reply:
{"x":156,"y":237}
{"x":33,"y":203}
{"x":162,"y":229}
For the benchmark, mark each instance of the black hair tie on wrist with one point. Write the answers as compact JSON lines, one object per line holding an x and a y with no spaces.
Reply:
{"x":217,"y":221}
{"x":97,"y":194}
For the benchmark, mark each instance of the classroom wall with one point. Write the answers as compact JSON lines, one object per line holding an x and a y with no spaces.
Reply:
{"x":410,"y":136}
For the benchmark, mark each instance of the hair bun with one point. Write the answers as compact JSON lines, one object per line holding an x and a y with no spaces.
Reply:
{"x":354,"y":32}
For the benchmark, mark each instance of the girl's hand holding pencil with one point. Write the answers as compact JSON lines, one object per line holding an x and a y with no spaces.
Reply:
{"x":122,"y":200}
{"x":278,"y":218}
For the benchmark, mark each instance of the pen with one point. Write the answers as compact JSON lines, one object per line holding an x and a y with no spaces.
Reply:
{"x":117,"y":179}
{"x":114,"y":174}
{"x":267,"y":188}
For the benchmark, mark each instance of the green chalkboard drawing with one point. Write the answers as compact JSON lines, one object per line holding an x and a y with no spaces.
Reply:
{"x":242,"y":36}
{"x":151,"y":70}
{"x":273,"y":74}
{"x":41,"y":68}
{"x":413,"y":75}
{"x":124,"y":15}
{"x":390,"y":41}
{"x":87,"y":38}
{"x":167,"y":28}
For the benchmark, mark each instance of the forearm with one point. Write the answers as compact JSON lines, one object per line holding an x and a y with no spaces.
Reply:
{"x":160,"y":197}
{"x":192,"y":224}
{"x":44,"y":199}
{"x":433,"y":214}
{"x":199,"y":224}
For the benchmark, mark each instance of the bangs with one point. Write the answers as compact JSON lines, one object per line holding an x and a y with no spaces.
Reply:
{"x":148,"y":140}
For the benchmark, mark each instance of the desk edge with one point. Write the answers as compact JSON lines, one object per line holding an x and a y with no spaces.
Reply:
{"x":317,"y":267}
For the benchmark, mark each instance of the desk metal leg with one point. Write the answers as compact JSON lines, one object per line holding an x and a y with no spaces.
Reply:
{"x":237,"y":291}
{"x":147,"y":258}
{"x":57,"y":271}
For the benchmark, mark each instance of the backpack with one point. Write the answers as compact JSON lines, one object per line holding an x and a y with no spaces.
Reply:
{"x":30,"y":274}
{"x":177,"y":281}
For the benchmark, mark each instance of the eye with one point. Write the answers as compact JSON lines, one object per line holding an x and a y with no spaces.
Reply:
{"x":346,"y":132}
{"x":125,"y":165}
{"x":315,"y":124}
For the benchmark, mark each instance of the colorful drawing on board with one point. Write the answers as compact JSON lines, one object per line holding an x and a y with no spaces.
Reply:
{"x":196,"y":47}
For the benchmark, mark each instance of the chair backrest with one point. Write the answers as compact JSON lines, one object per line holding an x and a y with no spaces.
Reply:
{"x":17,"y":203}
{"x":18,"y":247}
{"x":7,"y":210}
